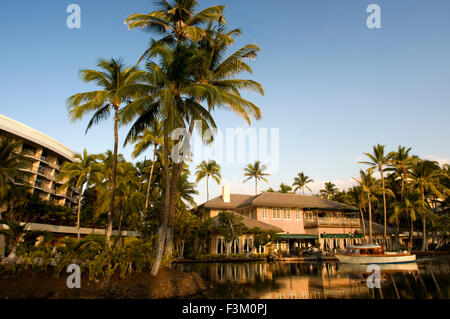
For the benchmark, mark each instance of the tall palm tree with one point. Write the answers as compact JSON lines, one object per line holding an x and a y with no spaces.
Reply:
{"x":370,"y":187}
{"x":176,"y":21}
{"x":256,"y":171}
{"x":77,"y":174}
{"x":400,"y":166}
{"x":356,"y":197}
{"x":179,"y":79}
{"x":425,"y":176}
{"x":208,"y":169}
{"x":301,"y":181}
{"x":111,"y":77}
{"x":378,"y":160}
{"x":329,"y":191}
{"x":152,"y":135}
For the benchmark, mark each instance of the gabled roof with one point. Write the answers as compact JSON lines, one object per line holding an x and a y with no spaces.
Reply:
{"x":250,"y":223}
{"x":268,"y":199}
{"x":218,"y":203}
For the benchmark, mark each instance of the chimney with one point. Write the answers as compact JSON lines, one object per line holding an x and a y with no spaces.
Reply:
{"x":226,"y":193}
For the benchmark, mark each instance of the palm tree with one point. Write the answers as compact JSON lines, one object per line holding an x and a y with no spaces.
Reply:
{"x":256,"y":171}
{"x":152,"y":135}
{"x":356,"y":197}
{"x":300,"y":182}
{"x":370,"y":187}
{"x":10,"y":163}
{"x":378,"y":160}
{"x":410,"y":206}
{"x":425,"y":176}
{"x":179,"y":79}
{"x":176,"y":21}
{"x":208,"y":169}
{"x":285,"y":188}
{"x":14,"y":234}
{"x":77,"y":174}
{"x":111,"y":77}
{"x":186,"y":190}
{"x":329,"y":191}
{"x":400,"y":166}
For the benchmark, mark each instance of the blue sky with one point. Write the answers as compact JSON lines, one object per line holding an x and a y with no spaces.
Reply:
{"x":333,"y":87}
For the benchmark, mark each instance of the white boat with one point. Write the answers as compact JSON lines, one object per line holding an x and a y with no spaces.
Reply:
{"x":373,"y":254}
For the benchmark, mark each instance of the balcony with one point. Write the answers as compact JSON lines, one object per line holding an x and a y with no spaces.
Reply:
{"x":332,"y":222}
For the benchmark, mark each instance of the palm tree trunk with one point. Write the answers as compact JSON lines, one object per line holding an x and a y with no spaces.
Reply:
{"x":411,"y":231}
{"x":384,"y":203}
{"x":424,"y":221}
{"x":163,"y":228}
{"x":370,"y":219}
{"x":207,"y":188}
{"x":256,"y":186}
{"x":120,"y":228}
{"x":113,"y":178}
{"x":150,"y":180}
{"x":78,"y":217}
{"x":363,"y":223}
{"x":397,"y":231}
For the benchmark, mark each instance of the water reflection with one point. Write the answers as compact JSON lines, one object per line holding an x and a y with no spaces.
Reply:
{"x":427,"y":278}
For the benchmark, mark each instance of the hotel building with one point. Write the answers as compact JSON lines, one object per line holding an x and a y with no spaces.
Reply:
{"x":44,"y":158}
{"x":300,"y":221}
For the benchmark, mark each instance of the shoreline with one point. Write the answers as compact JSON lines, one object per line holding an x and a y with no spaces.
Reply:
{"x":168,"y":284}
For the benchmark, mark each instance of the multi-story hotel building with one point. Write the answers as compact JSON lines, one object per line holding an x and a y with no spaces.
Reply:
{"x":44,"y":157}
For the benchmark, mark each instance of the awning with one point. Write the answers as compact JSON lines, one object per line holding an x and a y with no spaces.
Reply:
{"x":341,"y":236}
{"x":297,"y":236}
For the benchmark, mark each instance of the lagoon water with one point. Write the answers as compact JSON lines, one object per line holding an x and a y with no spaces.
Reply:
{"x":428,"y":277}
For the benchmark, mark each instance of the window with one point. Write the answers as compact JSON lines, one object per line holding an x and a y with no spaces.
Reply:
{"x":309,"y":216}
{"x":44,"y":156}
{"x":265,"y":213}
{"x":276,"y":213}
{"x":287,"y":213}
{"x":298,"y":214}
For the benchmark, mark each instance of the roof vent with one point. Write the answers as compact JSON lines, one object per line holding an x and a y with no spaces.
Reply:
{"x":226,"y":193}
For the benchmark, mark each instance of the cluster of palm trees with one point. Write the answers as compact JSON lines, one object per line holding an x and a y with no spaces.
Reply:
{"x":187,"y":75}
{"x":407,"y":188}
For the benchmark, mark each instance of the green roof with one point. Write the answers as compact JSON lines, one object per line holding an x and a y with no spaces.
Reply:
{"x":297,"y":236}
{"x":340,"y":235}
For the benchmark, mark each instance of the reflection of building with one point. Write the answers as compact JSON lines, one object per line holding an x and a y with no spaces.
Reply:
{"x":44,"y":157}
{"x":303,"y":220}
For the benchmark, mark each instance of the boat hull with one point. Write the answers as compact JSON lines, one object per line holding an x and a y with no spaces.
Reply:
{"x":376,"y":259}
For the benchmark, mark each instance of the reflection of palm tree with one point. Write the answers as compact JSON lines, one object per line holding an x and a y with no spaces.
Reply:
{"x":256,"y":171}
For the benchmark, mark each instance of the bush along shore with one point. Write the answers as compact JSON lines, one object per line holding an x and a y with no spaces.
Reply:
{"x":118,"y":271}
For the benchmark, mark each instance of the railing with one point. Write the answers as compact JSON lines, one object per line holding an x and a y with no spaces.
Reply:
{"x":324,"y":221}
